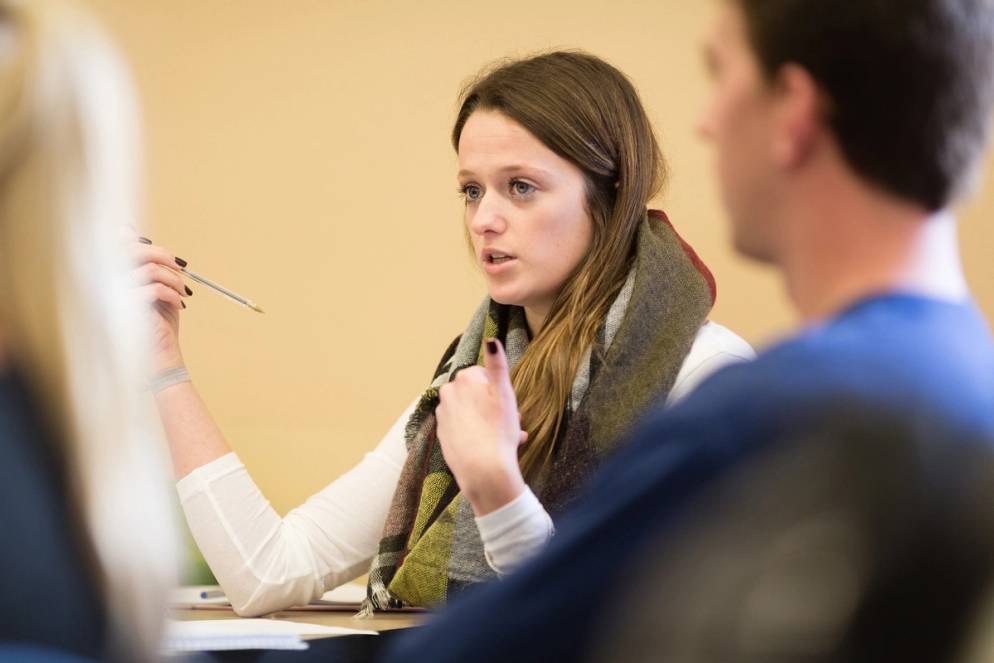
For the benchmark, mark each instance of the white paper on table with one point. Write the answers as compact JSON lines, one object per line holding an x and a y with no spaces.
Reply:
{"x":228,"y":634}
{"x":347,"y":594}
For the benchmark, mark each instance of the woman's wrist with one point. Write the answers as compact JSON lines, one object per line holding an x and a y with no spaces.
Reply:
{"x":490,"y":490}
{"x":167,"y":361}
{"x":168,"y":377}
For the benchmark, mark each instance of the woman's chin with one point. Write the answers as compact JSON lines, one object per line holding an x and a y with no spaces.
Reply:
{"x":505,"y":298}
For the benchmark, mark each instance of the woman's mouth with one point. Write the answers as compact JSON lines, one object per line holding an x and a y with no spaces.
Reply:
{"x":494,"y":262}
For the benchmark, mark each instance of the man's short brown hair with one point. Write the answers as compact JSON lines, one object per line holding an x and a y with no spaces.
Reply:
{"x":909,"y":83}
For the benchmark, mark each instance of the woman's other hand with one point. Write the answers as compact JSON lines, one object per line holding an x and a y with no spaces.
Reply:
{"x":480,"y":432}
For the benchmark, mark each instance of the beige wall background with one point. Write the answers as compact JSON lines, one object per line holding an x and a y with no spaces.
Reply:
{"x":297,"y":151}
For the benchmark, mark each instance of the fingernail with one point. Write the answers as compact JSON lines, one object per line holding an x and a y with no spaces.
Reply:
{"x":492,"y":347}
{"x":183,"y":304}
{"x":144,"y":240}
{"x":180,"y":262}
{"x":188,"y":291}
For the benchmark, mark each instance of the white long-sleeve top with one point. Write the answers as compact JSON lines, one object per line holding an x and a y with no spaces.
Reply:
{"x":267,"y":563}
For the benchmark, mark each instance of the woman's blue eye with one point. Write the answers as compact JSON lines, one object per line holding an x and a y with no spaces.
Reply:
{"x":471,"y":192}
{"x":521,"y":188}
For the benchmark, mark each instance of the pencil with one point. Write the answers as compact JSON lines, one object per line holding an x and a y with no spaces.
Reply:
{"x":247,"y":303}
{"x":221,"y":289}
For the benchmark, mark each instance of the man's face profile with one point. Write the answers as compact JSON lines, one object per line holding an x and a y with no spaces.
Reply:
{"x":738,"y":122}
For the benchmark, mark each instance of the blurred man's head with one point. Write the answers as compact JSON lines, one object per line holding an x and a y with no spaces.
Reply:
{"x":896,"y":94}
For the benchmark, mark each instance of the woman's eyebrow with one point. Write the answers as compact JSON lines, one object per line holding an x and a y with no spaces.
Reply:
{"x":513,"y":168}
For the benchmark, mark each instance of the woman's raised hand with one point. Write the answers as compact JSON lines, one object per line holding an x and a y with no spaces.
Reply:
{"x":479,"y":431}
{"x":160,"y":284}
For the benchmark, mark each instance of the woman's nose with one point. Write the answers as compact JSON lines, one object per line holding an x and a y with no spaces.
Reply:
{"x":489,"y":216}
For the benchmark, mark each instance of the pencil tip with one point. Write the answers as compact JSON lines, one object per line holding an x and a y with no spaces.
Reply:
{"x":257,"y":308}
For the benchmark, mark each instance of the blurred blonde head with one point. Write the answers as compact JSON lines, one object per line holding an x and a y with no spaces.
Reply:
{"x":69,"y":321}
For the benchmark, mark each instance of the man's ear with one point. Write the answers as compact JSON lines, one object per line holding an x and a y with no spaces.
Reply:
{"x":799,"y":114}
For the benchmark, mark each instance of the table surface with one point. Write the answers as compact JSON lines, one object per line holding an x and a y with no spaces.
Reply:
{"x":381,"y":621}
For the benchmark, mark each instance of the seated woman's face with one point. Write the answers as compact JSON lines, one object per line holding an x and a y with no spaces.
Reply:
{"x":525,"y":211}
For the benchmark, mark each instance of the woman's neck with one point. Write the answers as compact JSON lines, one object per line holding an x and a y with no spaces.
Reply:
{"x":535,"y":317}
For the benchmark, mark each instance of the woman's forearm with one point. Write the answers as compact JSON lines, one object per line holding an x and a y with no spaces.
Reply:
{"x":194,"y":438}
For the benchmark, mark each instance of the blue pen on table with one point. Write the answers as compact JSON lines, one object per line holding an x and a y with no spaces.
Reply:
{"x":212,"y":594}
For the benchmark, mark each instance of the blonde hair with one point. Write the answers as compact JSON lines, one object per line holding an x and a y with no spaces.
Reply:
{"x":70,"y":317}
{"x":589,"y":113}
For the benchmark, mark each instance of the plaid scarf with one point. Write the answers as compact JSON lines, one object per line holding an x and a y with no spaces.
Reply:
{"x":431,"y":547}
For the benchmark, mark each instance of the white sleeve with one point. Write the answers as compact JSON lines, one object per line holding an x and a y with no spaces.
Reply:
{"x":715,"y":346}
{"x":515,"y":532}
{"x":266,"y":563}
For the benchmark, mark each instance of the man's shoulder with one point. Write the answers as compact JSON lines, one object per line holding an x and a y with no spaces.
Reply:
{"x":803,"y":367}
{"x":897,"y":357}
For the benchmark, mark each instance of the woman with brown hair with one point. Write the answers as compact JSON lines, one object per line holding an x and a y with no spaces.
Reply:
{"x":596,"y":310}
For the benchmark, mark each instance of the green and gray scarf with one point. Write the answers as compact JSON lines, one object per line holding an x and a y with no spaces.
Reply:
{"x":431,"y":547}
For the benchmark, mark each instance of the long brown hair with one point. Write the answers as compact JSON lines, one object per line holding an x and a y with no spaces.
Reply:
{"x":587,"y":112}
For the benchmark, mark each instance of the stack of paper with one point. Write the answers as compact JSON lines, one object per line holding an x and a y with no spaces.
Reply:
{"x":349,"y":594}
{"x":229,"y":634}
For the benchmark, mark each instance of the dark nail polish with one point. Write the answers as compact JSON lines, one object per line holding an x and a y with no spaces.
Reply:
{"x":188,"y":291}
{"x":492,"y":347}
{"x":144,"y":240}
{"x":183,"y":304}
{"x":180,"y":262}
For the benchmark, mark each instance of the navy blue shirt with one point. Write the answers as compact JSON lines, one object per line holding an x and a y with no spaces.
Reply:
{"x":47,"y":595}
{"x":929,"y":362}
